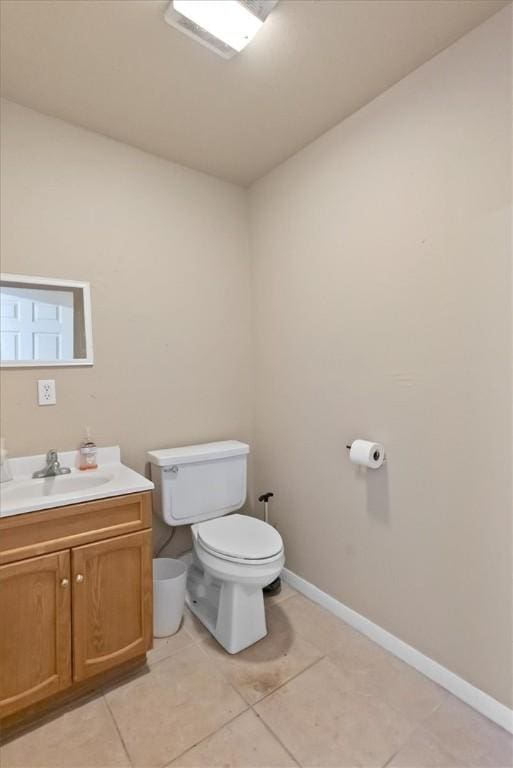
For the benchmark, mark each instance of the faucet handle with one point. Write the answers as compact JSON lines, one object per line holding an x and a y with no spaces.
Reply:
{"x":51,"y":455}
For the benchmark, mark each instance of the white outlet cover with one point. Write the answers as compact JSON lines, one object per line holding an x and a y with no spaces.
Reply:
{"x":46,"y":394}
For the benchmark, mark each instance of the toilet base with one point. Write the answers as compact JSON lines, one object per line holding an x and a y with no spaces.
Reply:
{"x":273,"y":589}
{"x":232,"y":612}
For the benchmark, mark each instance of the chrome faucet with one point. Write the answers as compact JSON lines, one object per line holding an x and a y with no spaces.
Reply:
{"x":53,"y":467}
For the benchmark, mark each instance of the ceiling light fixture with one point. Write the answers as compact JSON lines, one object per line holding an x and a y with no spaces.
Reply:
{"x":225,"y":26}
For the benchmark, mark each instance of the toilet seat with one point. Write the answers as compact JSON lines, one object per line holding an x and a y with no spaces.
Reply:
{"x":240,"y":539}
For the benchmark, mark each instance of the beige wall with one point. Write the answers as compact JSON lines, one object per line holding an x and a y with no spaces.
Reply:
{"x":165,"y":250}
{"x":382,"y":294}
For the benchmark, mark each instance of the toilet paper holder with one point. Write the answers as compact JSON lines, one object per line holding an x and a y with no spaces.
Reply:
{"x":375,"y":455}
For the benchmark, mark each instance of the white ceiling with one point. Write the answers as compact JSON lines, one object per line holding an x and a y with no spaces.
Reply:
{"x":115,"y":66}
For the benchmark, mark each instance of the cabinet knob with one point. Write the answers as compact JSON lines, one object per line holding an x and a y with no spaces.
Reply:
{"x":79,"y":578}
{"x":64,"y":582}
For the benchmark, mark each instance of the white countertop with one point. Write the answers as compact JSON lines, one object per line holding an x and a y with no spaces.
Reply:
{"x":24,"y":494}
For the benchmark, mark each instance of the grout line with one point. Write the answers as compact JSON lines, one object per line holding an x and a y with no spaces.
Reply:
{"x":194,"y":641}
{"x":287,"y":681}
{"x":392,"y":756}
{"x":153,"y":664}
{"x":208,"y":736}
{"x":225,"y":677}
{"x":196,"y":638}
{"x":474,"y":697}
{"x":424,"y":727}
{"x":414,"y":731}
{"x":270,"y":693}
{"x":116,"y":726}
{"x":275,"y":736}
{"x":247,"y":706}
{"x":419,"y":728}
{"x":401,"y":747}
{"x":418,"y":723}
{"x":209,"y":657}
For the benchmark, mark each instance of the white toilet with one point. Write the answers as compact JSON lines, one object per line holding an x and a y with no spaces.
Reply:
{"x":233,"y":557}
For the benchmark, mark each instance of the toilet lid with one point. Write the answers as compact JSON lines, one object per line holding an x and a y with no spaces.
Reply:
{"x":240,"y":536}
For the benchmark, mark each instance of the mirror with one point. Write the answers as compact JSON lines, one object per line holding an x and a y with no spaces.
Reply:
{"x":44,"y":322}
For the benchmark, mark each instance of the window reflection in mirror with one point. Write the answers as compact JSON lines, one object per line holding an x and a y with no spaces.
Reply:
{"x":44,"y":322}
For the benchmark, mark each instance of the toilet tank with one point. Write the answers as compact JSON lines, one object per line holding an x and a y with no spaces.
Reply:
{"x":199,"y":482}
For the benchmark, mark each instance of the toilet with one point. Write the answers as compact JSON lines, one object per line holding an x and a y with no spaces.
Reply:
{"x":234,"y":556}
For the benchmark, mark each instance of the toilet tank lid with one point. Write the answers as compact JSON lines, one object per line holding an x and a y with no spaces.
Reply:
{"x":203,"y":452}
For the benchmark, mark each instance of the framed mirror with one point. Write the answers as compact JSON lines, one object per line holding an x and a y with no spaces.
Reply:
{"x":44,"y":322}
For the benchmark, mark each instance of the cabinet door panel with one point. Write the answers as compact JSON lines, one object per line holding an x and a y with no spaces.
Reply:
{"x":112,"y":602}
{"x":35,"y":634}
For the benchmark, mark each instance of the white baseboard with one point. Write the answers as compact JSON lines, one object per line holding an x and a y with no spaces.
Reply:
{"x":456,"y":685}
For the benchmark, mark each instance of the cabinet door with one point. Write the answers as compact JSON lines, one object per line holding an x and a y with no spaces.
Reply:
{"x":35,"y":633}
{"x":112,"y":602}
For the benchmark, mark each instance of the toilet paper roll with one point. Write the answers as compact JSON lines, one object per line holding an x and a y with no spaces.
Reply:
{"x":367,"y":454}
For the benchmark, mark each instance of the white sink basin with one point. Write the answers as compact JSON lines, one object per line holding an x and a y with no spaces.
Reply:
{"x":26,"y":494}
{"x":50,"y":486}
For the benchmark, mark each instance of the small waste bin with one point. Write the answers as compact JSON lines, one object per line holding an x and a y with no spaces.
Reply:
{"x":168,"y":595}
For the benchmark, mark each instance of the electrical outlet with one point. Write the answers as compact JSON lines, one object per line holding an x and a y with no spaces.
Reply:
{"x":46,"y":392}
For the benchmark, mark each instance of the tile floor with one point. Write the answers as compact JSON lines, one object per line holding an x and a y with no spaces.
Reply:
{"x":313,"y":693}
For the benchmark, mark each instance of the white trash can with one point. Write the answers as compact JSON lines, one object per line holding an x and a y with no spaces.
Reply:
{"x":169,"y":578}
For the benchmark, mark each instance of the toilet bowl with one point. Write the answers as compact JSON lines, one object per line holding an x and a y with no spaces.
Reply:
{"x":233,"y":559}
{"x":234,"y":556}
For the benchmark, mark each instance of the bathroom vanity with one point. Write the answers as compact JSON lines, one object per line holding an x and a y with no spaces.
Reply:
{"x":75,"y":581}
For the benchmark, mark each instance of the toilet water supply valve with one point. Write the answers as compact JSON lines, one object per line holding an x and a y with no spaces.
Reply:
{"x":265,"y":498}
{"x":274,"y":588}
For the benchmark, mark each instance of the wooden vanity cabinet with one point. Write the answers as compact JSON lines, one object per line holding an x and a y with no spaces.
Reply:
{"x":70,"y":615}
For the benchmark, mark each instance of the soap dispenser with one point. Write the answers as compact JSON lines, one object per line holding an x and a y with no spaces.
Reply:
{"x":5,"y":470}
{"x":88,"y":451}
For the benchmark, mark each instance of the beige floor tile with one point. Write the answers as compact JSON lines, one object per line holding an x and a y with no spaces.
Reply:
{"x":323,"y":724}
{"x":243,"y":743}
{"x":166,"y":646}
{"x":406,"y":690}
{"x":266,"y":665}
{"x":286,"y":592}
{"x":276,"y":618}
{"x":357,"y":655}
{"x":423,"y":751}
{"x":375,"y":672}
{"x":193,"y":626}
{"x":473,"y":739}
{"x":315,"y":624}
{"x":83,"y":737}
{"x":182,"y":700}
